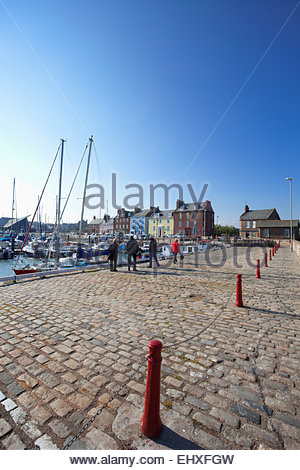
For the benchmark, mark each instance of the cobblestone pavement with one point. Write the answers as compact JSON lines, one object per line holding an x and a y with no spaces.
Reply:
{"x":229,"y":374}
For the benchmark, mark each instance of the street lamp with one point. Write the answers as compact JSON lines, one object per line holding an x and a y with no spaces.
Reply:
{"x":290,"y":180}
{"x":217,"y":225}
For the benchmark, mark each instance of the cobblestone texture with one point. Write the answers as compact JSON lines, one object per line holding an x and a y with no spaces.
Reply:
{"x":68,"y":342}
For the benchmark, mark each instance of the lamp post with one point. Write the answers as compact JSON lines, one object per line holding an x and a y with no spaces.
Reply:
{"x":217,"y":225}
{"x":290,"y":180}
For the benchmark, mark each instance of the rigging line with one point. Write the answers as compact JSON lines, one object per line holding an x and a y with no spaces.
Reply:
{"x":67,"y":200}
{"x":103,"y":156}
{"x":38,"y":202}
{"x":98,"y":169}
{"x":44,"y":66}
{"x":239,"y":91}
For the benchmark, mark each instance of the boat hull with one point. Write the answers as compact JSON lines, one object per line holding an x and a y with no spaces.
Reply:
{"x":26,"y":271}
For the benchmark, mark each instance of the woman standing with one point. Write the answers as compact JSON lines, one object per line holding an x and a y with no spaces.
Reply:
{"x":175,"y":250}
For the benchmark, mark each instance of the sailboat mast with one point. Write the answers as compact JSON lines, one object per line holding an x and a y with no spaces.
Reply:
{"x":59,"y":186}
{"x":13,"y":205}
{"x":85,"y":185}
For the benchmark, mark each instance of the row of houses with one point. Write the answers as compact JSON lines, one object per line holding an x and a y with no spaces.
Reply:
{"x":190,"y":219}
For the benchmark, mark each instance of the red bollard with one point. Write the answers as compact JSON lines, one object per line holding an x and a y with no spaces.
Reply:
{"x":151,"y":423}
{"x":266,"y":260}
{"x":239,"y":297}
{"x":270,"y":255}
{"x":257,"y":269}
{"x":273,"y":251}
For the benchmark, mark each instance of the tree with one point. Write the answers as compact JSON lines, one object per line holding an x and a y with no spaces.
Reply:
{"x":226,"y":230}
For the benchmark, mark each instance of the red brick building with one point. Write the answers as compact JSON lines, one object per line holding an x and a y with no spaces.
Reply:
{"x":122,"y":221}
{"x":194,"y":219}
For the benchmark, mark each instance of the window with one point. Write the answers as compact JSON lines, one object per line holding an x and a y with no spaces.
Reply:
{"x":187,"y":223}
{"x":266,"y":232}
{"x":180,"y":215}
{"x":194,"y":215}
{"x":286,"y":233}
{"x":247,"y":224}
{"x":168,"y":228}
{"x":180,"y":224}
{"x":187,"y":215}
{"x":254,"y":224}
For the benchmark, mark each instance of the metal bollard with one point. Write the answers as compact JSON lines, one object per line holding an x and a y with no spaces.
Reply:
{"x":266,"y":260}
{"x":239,"y":299}
{"x":151,"y":423}
{"x":257,"y":269}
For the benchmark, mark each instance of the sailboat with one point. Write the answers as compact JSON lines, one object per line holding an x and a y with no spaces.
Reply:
{"x":27,"y":269}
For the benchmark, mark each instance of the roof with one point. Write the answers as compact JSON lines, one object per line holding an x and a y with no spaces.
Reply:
{"x":162,"y":214}
{"x":191,"y":206}
{"x":144,"y":213}
{"x":127,"y":214}
{"x":277,"y":223}
{"x":261,"y":214}
{"x":96,"y":221}
{"x":12,"y":222}
{"x":3,"y":221}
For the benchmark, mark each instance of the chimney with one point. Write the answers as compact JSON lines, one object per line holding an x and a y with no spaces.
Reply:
{"x":136,"y":209}
{"x":179,"y":203}
{"x":246,"y":209}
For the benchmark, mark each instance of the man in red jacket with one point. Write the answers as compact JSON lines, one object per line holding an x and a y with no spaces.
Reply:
{"x":175,"y":250}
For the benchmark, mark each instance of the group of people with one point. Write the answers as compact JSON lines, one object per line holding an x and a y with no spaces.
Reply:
{"x":133,"y":248}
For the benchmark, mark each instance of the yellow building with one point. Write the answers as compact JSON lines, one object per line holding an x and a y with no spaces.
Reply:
{"x":161,"y":224}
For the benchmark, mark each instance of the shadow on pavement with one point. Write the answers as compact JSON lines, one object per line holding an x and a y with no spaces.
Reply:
{"x":272,"y":311}
{"x":174,"y":441}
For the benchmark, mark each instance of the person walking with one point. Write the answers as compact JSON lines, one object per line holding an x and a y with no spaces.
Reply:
{"x":113,"y":254}
{"x":153,"y":251}
{"x":132,"y":248}
{"x":175,"y":250}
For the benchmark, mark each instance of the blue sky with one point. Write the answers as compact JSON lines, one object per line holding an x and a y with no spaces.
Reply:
{"x":150,"y":81}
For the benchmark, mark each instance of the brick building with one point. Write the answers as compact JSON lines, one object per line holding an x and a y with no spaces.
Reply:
{"x":122,"y":221}
{"x":250,"y":218}
{"x":194,"y":219}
